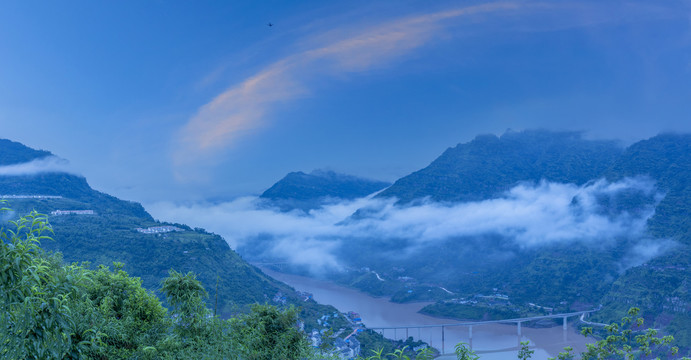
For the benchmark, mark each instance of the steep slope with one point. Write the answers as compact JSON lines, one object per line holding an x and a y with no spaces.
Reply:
{"x":490,"y":165}
{"x":667,"y":159}
{"x":108,"y":233}
{"x":661,"y":286}
{"x":576,"y":273}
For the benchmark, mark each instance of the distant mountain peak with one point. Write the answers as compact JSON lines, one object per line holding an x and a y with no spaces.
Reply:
{"x":12,"y":153}
{"x":320,"y":184}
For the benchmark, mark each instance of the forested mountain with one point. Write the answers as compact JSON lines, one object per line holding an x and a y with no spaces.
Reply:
{"x":110,"y":235}
{"x":578,"y":273}
{"x":646,"y":185}
{"x":94,"y":228}
{"x":489,"y":165}
{"x":306,"y":191}
{"x":662,"y":285}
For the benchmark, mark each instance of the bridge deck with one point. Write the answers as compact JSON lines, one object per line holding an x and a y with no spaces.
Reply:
{"x":470,"y":323}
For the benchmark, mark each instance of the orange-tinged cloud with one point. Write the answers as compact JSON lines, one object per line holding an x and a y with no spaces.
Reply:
{"x":243,"y":107}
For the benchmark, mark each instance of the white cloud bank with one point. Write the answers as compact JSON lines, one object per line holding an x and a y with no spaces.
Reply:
{"x":43,"y":165}
{"x":529,"y":215}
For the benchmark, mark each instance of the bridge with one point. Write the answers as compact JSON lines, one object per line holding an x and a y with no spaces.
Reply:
{"x":470,"y":324}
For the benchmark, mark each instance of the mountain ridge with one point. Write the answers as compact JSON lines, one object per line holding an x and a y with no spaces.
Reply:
{"x":576,"y":274}
{"x":110,"y":234}
{"x":466,"y":172}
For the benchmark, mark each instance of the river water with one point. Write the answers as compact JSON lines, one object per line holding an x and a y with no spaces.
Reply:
{"x":491,"y":341}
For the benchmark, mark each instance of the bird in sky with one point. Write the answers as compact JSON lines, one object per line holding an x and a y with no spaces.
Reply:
{"x":270,"y":24}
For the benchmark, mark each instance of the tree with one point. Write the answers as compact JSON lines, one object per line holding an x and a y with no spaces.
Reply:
{"x":185,"y":295}
{"x":36,"y":320}
{"x":622,"y":342}
{"x":49,"y":310}
{"x":267,"y":333}
{"x":464,"y":352}
{"x":524,"y":353}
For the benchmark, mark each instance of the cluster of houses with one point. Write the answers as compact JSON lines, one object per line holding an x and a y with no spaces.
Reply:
{"x":280,"y":298}
{"x":72,"y":212}
{"x":348,"y":348}
{"x":354,"y":317}
{"x":304,"y":296}
{"x":30,"y":197}
{"x":548,"y":309}
{"x":342,"y":347}
{"x":158,"y":229}
{"x":676,"y":304}
{"x":489,"y":300}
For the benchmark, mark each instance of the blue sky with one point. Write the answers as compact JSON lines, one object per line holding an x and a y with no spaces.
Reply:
{"x":154,"y":100}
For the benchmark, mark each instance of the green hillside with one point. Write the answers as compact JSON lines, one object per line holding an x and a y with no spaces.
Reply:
{"x":107,"y":230}
{"x":574,"y":275}
{"x":110,"y":235}
{"x":489,"y":165}
{"x":660,"y":287}
{"x":578,"y":275}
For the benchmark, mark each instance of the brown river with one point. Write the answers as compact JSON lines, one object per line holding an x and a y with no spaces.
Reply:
{"x":490,"y":341}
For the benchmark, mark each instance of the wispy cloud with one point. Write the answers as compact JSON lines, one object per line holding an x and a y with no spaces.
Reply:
{"x":528,"y":215}
{"x":42,"y":165}
{"x":354,"y":48}
{"x":244,"y":106}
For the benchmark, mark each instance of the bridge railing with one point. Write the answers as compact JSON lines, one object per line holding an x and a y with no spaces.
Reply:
{"x":470,"y":325}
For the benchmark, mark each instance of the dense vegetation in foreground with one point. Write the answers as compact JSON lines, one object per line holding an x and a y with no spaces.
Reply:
{"x":49,"y":310}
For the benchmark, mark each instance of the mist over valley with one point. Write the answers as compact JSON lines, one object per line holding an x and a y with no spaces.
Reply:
{"x":558,"y":221}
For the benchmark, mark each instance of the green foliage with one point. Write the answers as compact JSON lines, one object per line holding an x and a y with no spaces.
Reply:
{"x":109,"y":236}
{"x":371,"y":341}
{"x":129,"y":319}
{"x":36,"y":297}
{"x":49,"y":310}
{"x":426,"y":353}
{"x":490,"y":165}
{"x":468,"y":312}
{"x":524,"y":353}
{"x":185,"y":294}
{"x":463,"y":352}
{"x":399,"y":354}
{"x":404,"y":353}
{"x":267,"y":333}
{"x":567,"y":354}
{"x":628,"y":340}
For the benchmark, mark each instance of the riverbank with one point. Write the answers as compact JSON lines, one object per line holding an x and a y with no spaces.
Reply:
{"x":494,"y":341}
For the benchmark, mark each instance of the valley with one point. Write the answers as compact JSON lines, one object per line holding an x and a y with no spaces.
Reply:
{"x":544,"y":239}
